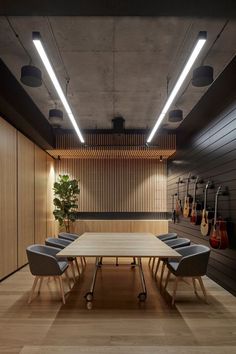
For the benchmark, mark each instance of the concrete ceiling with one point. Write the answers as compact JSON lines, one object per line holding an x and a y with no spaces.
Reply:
{"x":116,"y":65}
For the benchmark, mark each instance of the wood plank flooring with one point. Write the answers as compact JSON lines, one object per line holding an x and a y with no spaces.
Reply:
{"x":118,"y":323}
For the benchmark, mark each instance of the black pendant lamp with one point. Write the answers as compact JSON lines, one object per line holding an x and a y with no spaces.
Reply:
{"x":175,"y":116}
{"x":31,"y":76}
{"x":55,"y":117}
{"x":202,"y":76}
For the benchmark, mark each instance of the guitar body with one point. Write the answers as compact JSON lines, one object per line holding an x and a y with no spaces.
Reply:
{"x":219,"y":237}
{"x":206,"y":222}
{"x":195,"y":214}
{"x":187,"y":206}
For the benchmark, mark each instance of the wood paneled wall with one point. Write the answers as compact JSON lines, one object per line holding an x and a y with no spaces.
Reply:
{"x":25,"y":205}
{"x":211,"y":155}
{"x":8,"y":199}
{"x":118,"y":185}
{"x":27,"y":177}
{"x":156,"y":227}
{"x":40,"y":195}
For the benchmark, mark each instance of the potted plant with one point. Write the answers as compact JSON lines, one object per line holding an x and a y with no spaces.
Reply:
{"x":66,"y":191}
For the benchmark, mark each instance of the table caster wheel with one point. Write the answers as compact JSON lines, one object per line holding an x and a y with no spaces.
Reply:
{"x":89,"y":305}
{"x":142,"y":296}
{"x":89,"y":296}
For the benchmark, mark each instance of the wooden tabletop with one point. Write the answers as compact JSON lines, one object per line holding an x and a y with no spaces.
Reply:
{"x":112,"y":244}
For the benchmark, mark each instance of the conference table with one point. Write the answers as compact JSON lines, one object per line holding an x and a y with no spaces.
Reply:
{"x":136,"y":245}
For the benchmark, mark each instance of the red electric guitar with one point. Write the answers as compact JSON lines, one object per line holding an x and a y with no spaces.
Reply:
{"x":196,"y":207}
{"x":187,"y":200}
{"x":207,"y":215}
{"x":219,"y":237}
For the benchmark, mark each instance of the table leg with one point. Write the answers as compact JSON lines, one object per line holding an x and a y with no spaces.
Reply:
{"x":142,"y":296}
{"x":89,"y":295}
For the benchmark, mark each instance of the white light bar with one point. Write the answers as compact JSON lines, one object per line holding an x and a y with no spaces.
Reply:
{"x":38,"y":44}
{"x":200,"y":43}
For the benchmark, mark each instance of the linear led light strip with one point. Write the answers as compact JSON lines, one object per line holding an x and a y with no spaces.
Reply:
{"x":38,"y":44}
{"x":200,"y":43}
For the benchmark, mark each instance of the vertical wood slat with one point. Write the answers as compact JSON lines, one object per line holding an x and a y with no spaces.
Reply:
{"x":25,"y":196}
{"x":128,"y":185}
{"x":40,"y":195}
{"x":8,"y":199}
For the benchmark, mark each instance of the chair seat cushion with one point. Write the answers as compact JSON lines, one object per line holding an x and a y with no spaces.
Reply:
{"x":173,"y":265}
{"x":63,"y":265}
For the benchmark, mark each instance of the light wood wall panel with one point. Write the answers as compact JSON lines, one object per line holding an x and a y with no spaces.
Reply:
{"x":40,"y":195}
{"x":118,"y":185}
{"x":156,"y":227}
{"x":8,"y":199}
{"x":25,"y":196}
{"x":51,"y":224}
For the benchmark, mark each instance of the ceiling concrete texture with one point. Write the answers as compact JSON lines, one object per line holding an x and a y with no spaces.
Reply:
{"x":116,"y":65}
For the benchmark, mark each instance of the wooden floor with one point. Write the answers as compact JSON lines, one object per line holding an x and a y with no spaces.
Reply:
{"x":118,"y":323}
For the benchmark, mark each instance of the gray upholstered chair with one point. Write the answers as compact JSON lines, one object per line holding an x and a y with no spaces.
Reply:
{"x":162,"y":237}
{"x":176,"y":243}
{"x":71,"y":237}
{"x":43,"y":263}
{"x":168,"y":236}
{"x":193,"y":264}
{"x":68,"y":236}
{"x":62,"y":243}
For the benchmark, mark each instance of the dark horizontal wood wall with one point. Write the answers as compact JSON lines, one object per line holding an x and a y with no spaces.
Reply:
{"x":211,"y":155}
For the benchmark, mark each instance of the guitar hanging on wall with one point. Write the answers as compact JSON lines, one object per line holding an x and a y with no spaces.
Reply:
{"x":219,"y":237}
{"x":187,"y":200}
{"x":196,"y":207}
{"x":178,"y":205}
{"x":173,"y":218}
{"x":207,"y":215}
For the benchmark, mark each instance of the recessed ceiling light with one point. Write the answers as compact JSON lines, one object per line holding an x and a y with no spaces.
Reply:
{"x":40,"y":49}
{"x":197,"y":49}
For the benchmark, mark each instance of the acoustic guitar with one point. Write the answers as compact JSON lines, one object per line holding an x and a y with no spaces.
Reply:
{"x":173,"y":209}
{"x":187,"y":200}
{"x":196,"y":207}
{"x":219,"y":237}
{"x":178,"y":205}
{"x":207,"y":215}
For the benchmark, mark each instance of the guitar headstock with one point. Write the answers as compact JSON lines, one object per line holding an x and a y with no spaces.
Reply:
{"x":218,"y":190}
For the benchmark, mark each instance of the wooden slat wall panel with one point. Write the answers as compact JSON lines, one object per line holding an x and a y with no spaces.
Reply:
{"x":71,"y":141}
{"x":8,"y":199}
{"x":50,"y":177}
{"x":156,"y":227}
{"x":211,"y":154}
{"x":40,"y":195}
{"x":118,"y":185}
{"x":25,"y":196}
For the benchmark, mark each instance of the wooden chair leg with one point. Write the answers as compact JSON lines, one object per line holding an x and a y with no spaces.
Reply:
{"x":153,"y":263}
{"x":40,"y":284}
{"x":174,"y":291}
{"x":68,"y":278}
{"x":203,"y":288}
{"x":84,"y":259}
{"x":149,"y":262}
{"x":162,"y":272}
{"x":73,"y":270}
{"x":33,"y":288}
{"x":157,"y":267}
{"x":77,"y":265}
{"x":167,"y":279}
{"x":194,"y":285}
{"x":62,"y":290}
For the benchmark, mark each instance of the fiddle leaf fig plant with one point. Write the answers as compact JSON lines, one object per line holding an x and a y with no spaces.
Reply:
{"x":66,"y":193}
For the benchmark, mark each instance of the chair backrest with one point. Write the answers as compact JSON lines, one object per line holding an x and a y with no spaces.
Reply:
{"x":194,"y":260}
{"x":42,"y":260}
{"x":168,"y":236}
{"x":57,"y":242}
{"x":68,"y":236}
{"x":178,"y":242}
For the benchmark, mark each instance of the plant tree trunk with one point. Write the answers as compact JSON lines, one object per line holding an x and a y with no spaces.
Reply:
{"x":67,"y":225}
